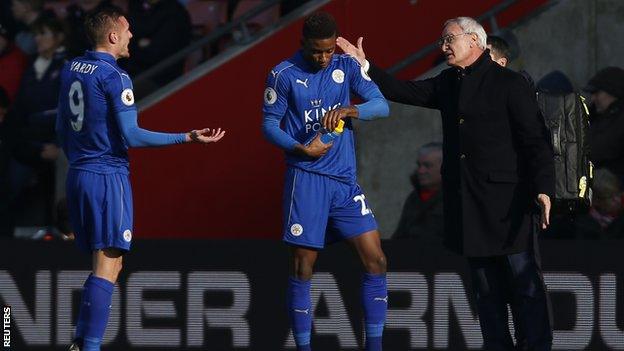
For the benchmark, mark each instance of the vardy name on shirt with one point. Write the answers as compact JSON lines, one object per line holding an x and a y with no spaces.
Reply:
{"x":82,"y":67}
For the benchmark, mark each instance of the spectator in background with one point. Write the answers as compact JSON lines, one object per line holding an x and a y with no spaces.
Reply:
{"x":604,"y":220}
{"x":26,"y":13}
{"x":606,"y":129}
{"x":5,"y":218}
{"x":422,"y":212}
{"x":12,"y":63}
{"x":501,"y":53}
{"x":160,"y":28}
{"x":555,"y":82}
{"x":32,"y":121}
{"x":77,"y":41}
{"x":499,"y":50}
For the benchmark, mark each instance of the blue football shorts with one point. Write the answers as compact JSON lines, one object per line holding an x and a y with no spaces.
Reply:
{"x":318,"y":209}
{"x":100,"y":209}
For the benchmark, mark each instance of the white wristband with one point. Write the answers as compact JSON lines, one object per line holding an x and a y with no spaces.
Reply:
{"x":366,"y":66}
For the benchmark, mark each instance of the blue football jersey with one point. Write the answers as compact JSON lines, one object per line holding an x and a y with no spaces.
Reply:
{"x":93,"y":90}
{"x":299,"y":96}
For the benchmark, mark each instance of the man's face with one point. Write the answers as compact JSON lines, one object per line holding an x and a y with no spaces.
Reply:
{"x":123,"y":37}
{"x":428,"y":170}
{"x":318,"y":52}
{"x":611,"y":205}
{"x":20,"y":9}
{"x":47,"y":42}
{"x":602,"y":100}
{"x":455,"y":45}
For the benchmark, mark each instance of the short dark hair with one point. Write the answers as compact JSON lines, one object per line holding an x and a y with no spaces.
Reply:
{"x":319,"y":25}
{"x":99,"y":23}
{"x":500,"y":47}
{"x":55,"y":25}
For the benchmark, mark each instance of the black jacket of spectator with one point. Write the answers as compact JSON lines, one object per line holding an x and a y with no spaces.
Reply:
{"x":32,"y":117}
{"x":497,"y":156}
{"x":606,"y":139}
{"x":421,"y":220}
{"x":159,"y":30}
{"x":77,"y":41}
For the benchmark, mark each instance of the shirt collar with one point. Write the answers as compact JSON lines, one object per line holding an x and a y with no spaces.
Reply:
{"x":482,"y":61}
{"x":104,"y":56}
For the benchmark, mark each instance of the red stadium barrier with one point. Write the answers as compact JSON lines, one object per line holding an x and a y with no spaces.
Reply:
{"x":233,"y":189}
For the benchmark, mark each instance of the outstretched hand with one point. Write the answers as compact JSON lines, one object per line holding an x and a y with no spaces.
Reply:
{"x":356,"y":51}
{"x":205,"y":136}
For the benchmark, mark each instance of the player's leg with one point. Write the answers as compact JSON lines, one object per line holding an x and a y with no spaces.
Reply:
{"x":305,"y":208}
{"x":352,"y":219}
{"x":374,"y":287}
{"x":97,"y":296}
{"x":101,"y":212}
{"x":298,"y":295}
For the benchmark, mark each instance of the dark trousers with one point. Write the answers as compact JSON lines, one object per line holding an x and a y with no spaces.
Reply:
{"x":516,"y":280}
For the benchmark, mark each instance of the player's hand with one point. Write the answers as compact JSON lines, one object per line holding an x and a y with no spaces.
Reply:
{"x":315,"y":149}
{"x":356,"y":51}
{"x":205,"y":136}
{"x":332,"y":117}
{"x":544,"y":202}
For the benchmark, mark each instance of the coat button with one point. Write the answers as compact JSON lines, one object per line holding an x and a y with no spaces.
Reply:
{"x":462,"y":156}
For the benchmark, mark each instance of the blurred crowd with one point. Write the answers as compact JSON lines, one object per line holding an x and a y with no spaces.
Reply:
{"x":36,"y":38}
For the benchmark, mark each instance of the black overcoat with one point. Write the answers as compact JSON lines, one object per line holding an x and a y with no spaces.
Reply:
{"x":497,"y":154}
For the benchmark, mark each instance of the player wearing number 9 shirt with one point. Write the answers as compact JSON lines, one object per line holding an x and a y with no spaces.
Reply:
{"x":322,"y":201}
{"x":96,"y":123}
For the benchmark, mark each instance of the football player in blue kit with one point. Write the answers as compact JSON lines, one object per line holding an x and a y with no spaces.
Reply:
{"x":96,"y":123}
{"x":305,"y":96}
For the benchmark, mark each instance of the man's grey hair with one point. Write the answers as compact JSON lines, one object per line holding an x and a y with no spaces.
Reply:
{"x":471,"y":26}
{"x":430,"y":147}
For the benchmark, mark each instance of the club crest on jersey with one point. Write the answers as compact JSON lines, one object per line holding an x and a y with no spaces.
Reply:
{"x":364,"y":74}
{"x":296,"y":229}
{"x":338,"y":76}
{"x":127,"y":235}
{"x":270,"y":96}
{"x":127,"y":97}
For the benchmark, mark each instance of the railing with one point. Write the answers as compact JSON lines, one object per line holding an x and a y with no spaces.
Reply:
{"x":231,"y":27}
{"x":422,"y":53}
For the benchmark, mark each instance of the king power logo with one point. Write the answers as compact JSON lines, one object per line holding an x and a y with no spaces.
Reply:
{"x":313,"y":116}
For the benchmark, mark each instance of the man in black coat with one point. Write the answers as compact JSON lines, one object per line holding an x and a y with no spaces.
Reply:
{"x":497,"y":165}
{"x":606,"y":128}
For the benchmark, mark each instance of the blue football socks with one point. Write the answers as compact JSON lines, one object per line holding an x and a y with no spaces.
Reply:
{"x":300,"y":311}
{"x":97,"y":295}
{"x":375,"y":303}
